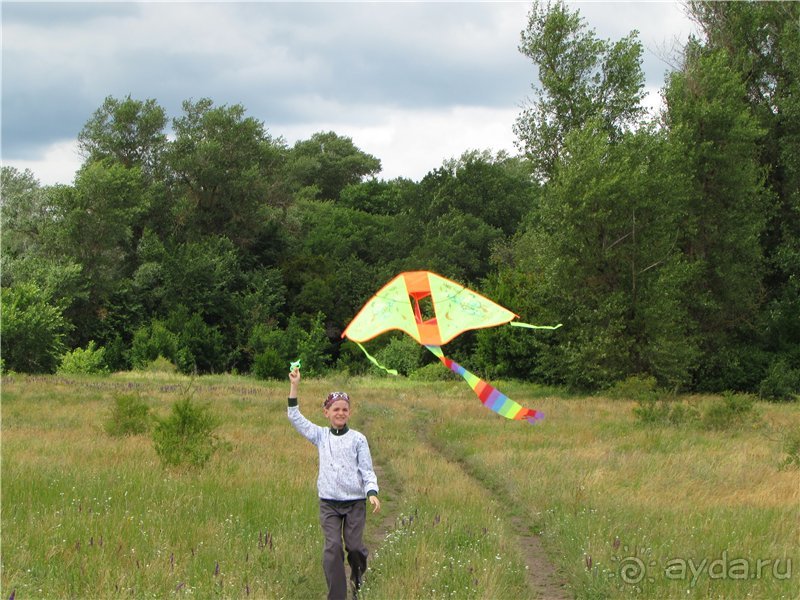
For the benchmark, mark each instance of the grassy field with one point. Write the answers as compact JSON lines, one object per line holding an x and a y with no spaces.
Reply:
{"x":621,"y":509}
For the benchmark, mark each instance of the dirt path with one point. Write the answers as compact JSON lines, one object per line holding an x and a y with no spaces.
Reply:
{"x":541,"y":574}
{"x":542,"y":577}
{"x":390,"y":492}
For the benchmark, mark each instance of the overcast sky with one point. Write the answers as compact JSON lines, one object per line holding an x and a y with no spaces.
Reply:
{"x":414,"y":84}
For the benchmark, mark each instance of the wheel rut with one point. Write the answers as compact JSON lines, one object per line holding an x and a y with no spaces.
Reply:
{"x":542,"y":577}
{"x":541,"y":574}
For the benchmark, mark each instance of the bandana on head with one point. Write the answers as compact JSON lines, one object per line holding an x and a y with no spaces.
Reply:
{"x":335,"y":396}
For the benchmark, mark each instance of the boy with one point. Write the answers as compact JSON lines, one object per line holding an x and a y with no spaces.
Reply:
{"x":346,"y":480}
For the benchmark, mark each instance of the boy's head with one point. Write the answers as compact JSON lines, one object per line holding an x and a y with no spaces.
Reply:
{"x":337,"y":409}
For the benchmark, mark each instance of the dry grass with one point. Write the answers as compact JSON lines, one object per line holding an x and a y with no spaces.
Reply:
{"x":86,"y":515}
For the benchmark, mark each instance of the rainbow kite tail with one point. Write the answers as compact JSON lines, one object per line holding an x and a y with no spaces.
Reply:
{"x":491,"y":397}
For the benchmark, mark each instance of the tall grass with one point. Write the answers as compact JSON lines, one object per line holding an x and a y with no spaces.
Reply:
{"x":88,"y":515}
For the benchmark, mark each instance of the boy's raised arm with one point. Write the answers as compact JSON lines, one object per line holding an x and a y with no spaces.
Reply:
{"x":294,"y":382}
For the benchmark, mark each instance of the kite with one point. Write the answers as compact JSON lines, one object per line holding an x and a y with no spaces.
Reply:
{"x":455,"y":309}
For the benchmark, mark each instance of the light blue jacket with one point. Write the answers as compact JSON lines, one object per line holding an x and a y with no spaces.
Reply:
{"x":345,"y":463}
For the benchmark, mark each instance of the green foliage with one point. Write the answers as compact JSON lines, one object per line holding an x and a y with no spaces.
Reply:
{"x":351,"y":360}
{"x":599,"y":255}
{"x":781,"y":383}
{"x":160,"y":365}
{"x":128,"y":131}
{"x":791,"y":448}
{"x":650,"y":411}
{"x":227,"y":168}
{"x":432,"y":372}
{"x":130,"y":415}
{"x":198,"y":276}
{"x":88,"y":361}
{"x":377,"y":196}
{"x":581,"y":78}
{"x":641,"y":388}
{"x":23,"y":212}
{"x":269,"y":364}
{"x":329,"y":163}
{"x":401,"y":353}
{"x":201,"y":345}
{"x":195,"y":347}
{"x":727,"y":204}
{"x":151,"y":342}
{"x":312,"y":344}
{"x":32,"y":330}
{"x":187,"y":436}
{"x":733,"y":410}
{"x":273,"y":349}
{"x":116,"y":354}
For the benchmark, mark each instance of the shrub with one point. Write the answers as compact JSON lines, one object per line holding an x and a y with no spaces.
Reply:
{"x":641,"y":388}
{"x":433,"y":372}
{"x":152,"y":342}
{"x":32,"y":330}
{"x":270,"y":365}
{"x":186,"y":436}
{"x":201,"y":347}
{"x":781,"y":382}
{"x":733,"y":410}
{"x":665,"y":412}
{"x":302,"y":339}
{"x":129,"y":416}
{"x":351,"y":359}
{"x":401,"y":353}
{"x":90,"y":361}
{"x":313,"y":344}
{"x":681,"y":413}
{"x":791,"y":448}
{"x":160,"y":365}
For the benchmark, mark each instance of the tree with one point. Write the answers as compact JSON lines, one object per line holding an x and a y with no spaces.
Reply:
{"x":228,"y":172}
{"x":581,"y":78}
{"x":128,"y":131}
{"x":761,"y":42}
{"x":329,"y":162}
{"x":378,"y":196}
{"x":497,"y":190}
{"x":713,"y":127}
{"x":336,"y":257}
{"x":31,"y":329}
{"x":24,"y":210}
{"x":31,"y":253}
{"x":95,"y":222}
{"x":601,"y":255}
{"x":459,"y":211}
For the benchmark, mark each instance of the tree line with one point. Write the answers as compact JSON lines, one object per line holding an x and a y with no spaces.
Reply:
{"x":668,"y":245}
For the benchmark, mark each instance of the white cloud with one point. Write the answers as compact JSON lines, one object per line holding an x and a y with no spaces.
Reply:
{"x":412,"y":83}
{"x":411,"y":143}
{"x":57,"y":164}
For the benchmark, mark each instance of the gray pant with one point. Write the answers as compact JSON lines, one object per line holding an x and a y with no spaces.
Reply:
{"x":343,"y":520}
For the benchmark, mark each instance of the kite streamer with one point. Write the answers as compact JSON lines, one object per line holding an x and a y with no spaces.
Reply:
{"x":490,"y":396}
{"x":456,"y":309}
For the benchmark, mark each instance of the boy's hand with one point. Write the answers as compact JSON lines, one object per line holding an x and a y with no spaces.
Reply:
{"x":376,"y":504}
{"x":294,"y":376}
